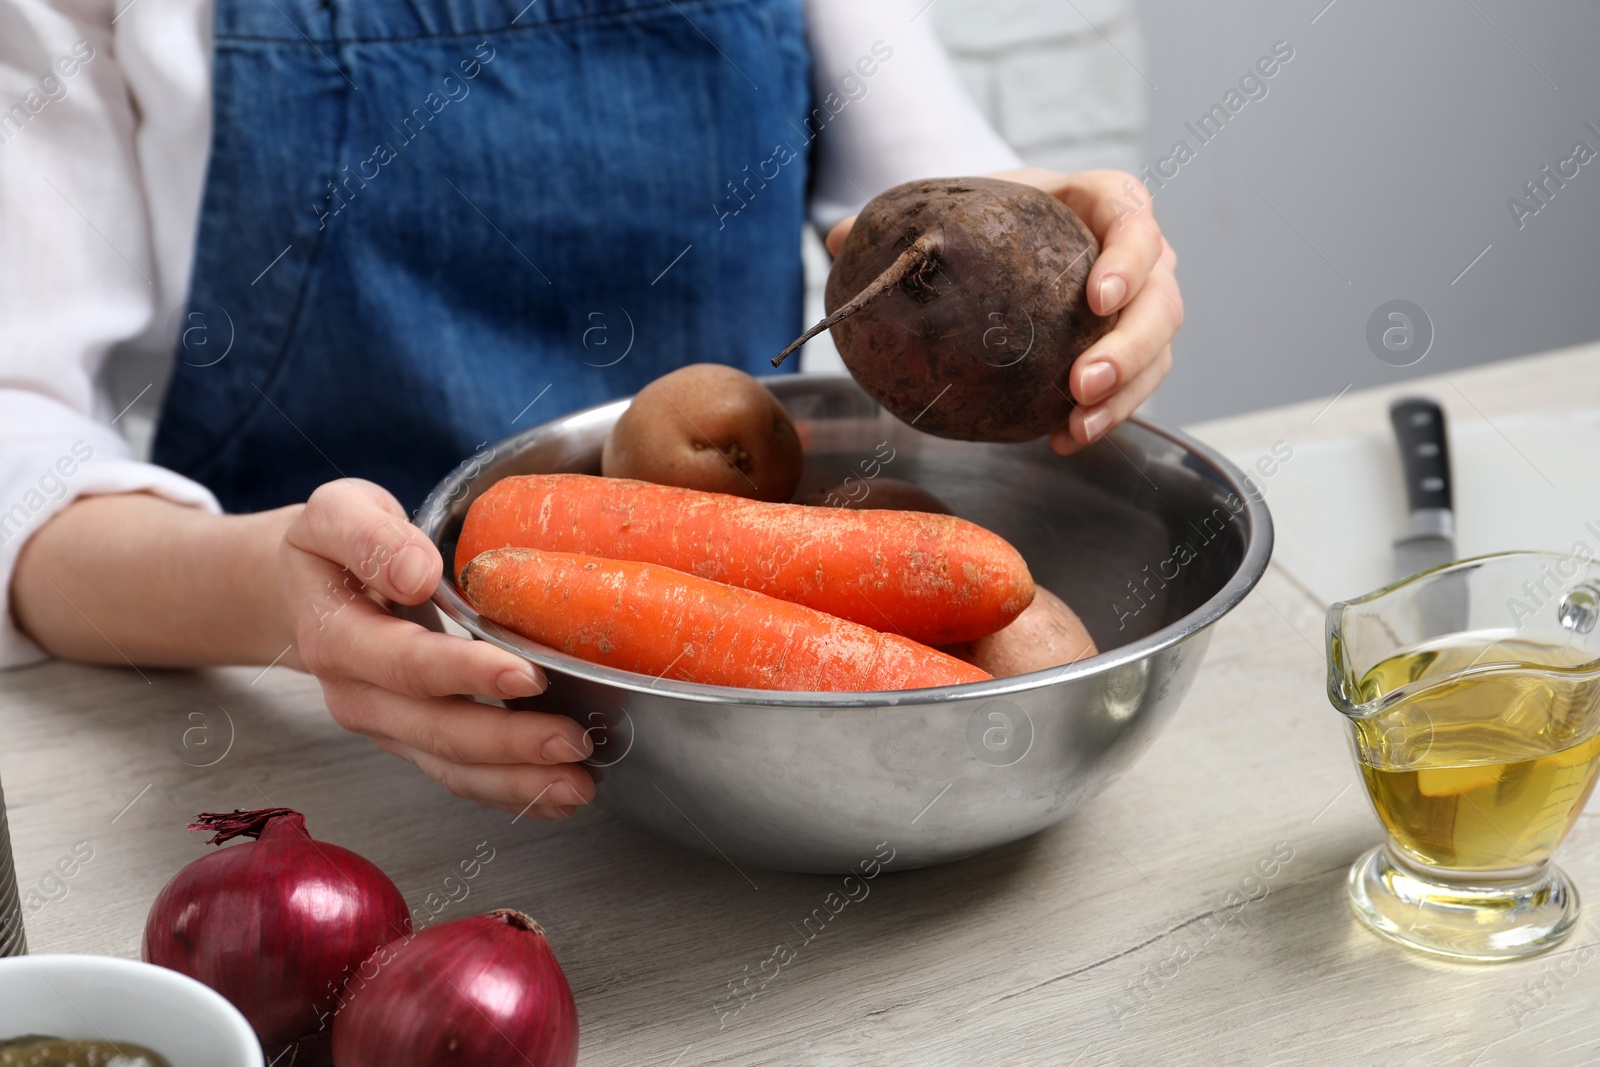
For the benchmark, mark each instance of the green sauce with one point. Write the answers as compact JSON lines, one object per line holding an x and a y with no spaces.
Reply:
{"x":32,"y":1050}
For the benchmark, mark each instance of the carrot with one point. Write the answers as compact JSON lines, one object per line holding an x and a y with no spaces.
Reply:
{"x":657,"y":621}
{"x":935,"y":579}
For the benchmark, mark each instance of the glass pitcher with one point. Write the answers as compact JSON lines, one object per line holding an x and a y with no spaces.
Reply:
{"x":1473,"y":697}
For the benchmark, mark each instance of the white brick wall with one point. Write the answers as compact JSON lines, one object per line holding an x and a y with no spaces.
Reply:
{"x":1059,"y":79}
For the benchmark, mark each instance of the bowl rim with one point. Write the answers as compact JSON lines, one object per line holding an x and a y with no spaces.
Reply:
{"x":175,"y":987}
{"x":1258,"y":553}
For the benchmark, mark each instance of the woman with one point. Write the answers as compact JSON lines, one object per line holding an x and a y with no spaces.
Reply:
{"x":412,"y":220}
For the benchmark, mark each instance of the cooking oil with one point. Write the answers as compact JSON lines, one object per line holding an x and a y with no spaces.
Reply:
{"x":1482,"y":772}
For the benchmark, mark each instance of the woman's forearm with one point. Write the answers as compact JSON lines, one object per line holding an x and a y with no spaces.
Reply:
{"x":133,"y":578}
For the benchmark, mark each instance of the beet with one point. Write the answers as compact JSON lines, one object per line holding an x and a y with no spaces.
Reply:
{"x":959,"y":304}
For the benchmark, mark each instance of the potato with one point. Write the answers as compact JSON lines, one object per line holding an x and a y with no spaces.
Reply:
{"x":887,"y":494}
{"x":708,"y":427}
{"x":1046,"y":634}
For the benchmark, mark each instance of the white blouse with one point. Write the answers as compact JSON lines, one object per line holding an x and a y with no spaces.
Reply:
{"x":105,"y":122}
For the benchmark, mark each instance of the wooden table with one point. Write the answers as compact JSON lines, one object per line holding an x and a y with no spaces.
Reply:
{"x":1115,"y":938}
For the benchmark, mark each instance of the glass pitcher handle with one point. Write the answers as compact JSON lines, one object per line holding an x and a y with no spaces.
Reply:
{"x":1580,"y":609}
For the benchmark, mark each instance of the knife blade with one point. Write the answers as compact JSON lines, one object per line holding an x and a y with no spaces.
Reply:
{"x":1429,"y":540}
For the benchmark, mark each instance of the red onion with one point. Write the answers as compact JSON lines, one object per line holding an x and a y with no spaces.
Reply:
{"x":479,"y":992}
{"x":313,"y":1051}
{"x":277,"y":925}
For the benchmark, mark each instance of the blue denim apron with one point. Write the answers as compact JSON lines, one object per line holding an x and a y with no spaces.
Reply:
{"x":428,"y":224}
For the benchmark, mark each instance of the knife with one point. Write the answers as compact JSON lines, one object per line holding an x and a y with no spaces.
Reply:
{"x":1429,"y":541}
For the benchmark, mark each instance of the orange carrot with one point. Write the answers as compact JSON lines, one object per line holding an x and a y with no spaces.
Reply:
{"x":935,"y":579}
{"x":657,"y":621}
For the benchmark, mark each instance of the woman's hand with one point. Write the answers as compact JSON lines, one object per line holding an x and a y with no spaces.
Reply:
{"x":131,"y":578}
{"x":349,"y":549}
{"x":1133,"y":275}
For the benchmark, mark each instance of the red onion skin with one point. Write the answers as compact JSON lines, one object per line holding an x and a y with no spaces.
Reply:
{"x":275,"y":925}
{"x":313,"y":1051}
{"x":480,"y":992}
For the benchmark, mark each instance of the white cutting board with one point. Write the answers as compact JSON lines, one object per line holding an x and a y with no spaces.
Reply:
{"x":1529,"y":482}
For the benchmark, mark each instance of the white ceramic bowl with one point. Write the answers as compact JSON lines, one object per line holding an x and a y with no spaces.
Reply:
{"x":104,"y":998}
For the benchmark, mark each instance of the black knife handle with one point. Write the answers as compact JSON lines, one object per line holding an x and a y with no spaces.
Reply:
{"x":1424,"y":452}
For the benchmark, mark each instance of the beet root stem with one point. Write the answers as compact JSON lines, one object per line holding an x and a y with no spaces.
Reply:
{"x":921,"y":251}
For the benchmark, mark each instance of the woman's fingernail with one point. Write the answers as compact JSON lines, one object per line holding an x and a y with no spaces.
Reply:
{"x":519,"y":683}
{"x":1096,"y":423}
{"x":560,"y":750}
{"x":409,"y":570}
{"x":1112,"y":290}
{"x":1097,"y":381}
{"x":564,"y":794}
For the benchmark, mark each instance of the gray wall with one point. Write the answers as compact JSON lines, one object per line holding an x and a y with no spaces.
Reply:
{"x":1377,"y":167}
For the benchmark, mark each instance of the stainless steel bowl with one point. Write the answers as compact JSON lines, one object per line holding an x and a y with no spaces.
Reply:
{"x":1150,"y":536}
